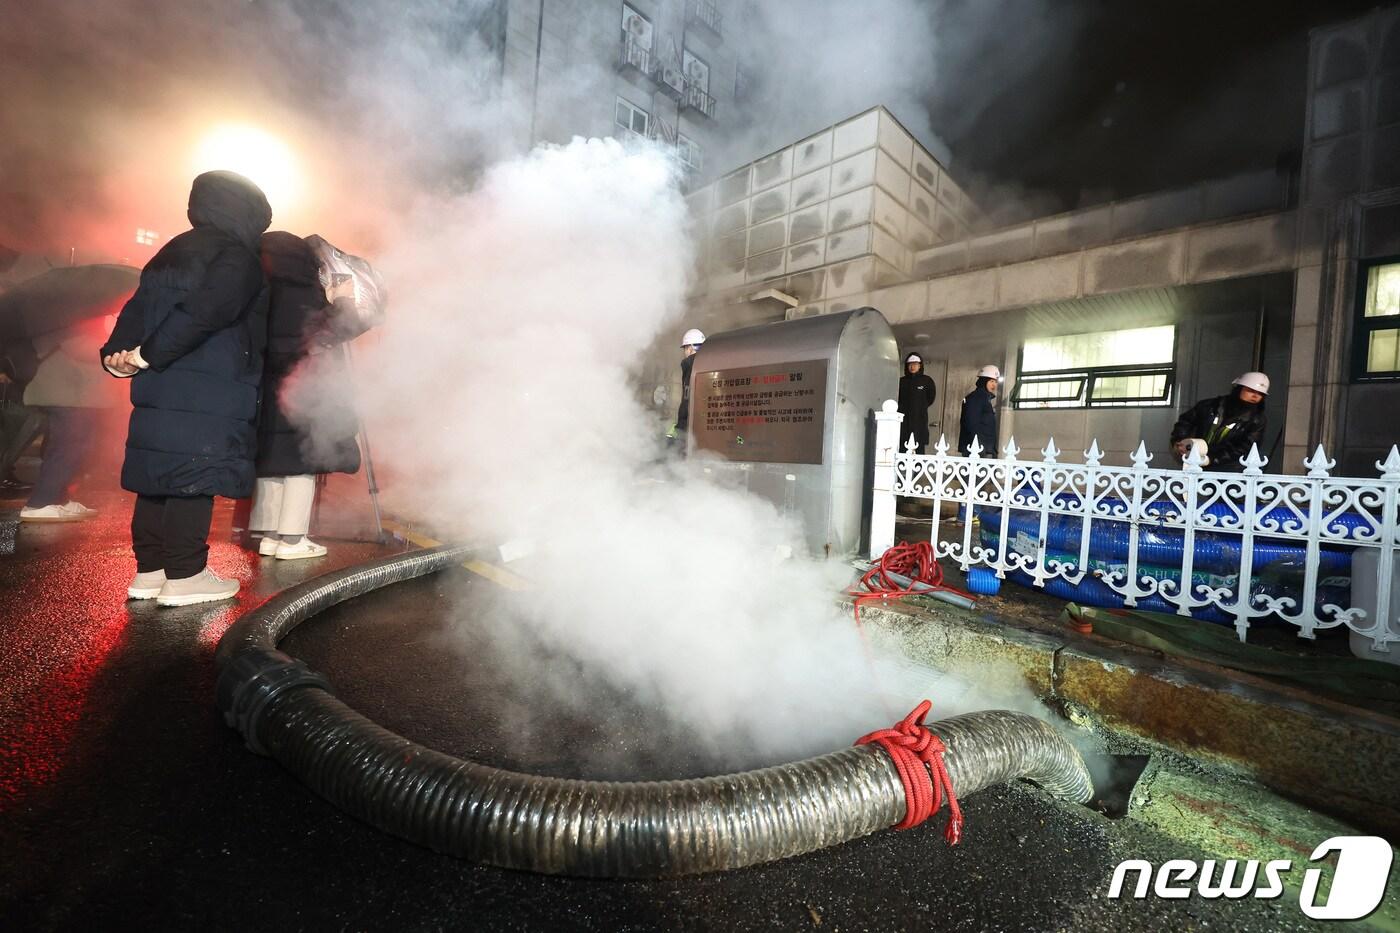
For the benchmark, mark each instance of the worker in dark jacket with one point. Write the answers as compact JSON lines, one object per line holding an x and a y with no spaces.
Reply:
{"x":301,"y":324}
{"x":1223,"y":428}
{"x":916,"y":395}
{"x":691,"y":341}
{"x":979,"y":415}
{"x":191,"y":340}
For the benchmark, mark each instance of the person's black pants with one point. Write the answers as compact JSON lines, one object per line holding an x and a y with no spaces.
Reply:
{"x":908,"y":430}
{"x":171,"y":533}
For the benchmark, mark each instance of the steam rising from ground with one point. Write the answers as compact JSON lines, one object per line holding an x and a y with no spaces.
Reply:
{"x":500,"y":397}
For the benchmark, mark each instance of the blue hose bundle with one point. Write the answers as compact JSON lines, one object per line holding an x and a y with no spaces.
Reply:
{"x":1279,"y":564}
{"x":1109,"y":540}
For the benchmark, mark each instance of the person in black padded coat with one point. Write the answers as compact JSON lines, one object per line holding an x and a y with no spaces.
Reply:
{"x":302,"y":322}
{"x":191,"y":341}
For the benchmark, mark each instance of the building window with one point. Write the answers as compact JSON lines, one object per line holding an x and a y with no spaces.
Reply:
{"x":1378,"y":325}
{"x":631,"y":118}
{"x":1118,"y":368}
{"x":688,"y":151}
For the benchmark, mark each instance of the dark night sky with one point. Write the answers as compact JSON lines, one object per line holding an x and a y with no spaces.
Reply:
{"x":1045,"y":104}
{"x":1129,"y":97}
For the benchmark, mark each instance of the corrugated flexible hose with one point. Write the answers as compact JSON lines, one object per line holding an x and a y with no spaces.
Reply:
{"x":587,"y":828}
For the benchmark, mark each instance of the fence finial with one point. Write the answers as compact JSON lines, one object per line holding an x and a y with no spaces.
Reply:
{"x":911,"y":445}
{"x":974,"y":450}
{"x":941,"y":448}
{"x":1011,"y":450}
{"x":1318,"y":465}
{"x":1254,"y":463}
{"x":1192,"y":463}
{"x":1391,"y":468}
{"x":1093,"y":455}
{"x":1141,"y":458}
{"x":1050,"y":451}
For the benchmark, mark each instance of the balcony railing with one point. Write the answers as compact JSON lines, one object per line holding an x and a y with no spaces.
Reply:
{"x":635,"y":55}
{"x":704,"y":13}
{"x":698,"y":100}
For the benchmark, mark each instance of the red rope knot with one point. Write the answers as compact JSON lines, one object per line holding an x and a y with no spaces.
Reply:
{"x":918,"y":757}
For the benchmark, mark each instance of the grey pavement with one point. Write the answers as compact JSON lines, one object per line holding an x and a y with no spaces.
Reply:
{"x":125,"y":799}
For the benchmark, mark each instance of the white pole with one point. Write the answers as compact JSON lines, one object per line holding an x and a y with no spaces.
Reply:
{"x":887,"y":422}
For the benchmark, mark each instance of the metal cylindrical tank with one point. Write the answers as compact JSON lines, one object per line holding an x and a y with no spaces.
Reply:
{"x":786,"y":410}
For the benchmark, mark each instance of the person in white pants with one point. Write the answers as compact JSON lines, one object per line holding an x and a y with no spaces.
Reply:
{"x":306,"y":324}
{"x":282,"y":514}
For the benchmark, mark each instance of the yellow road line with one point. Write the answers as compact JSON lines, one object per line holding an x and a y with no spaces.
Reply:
{"x":497,"y":575}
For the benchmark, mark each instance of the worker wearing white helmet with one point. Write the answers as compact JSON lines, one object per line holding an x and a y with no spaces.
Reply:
{"x":691,"y":341}
{"x":1223,"y":428}
{"x":979,"y":414}
{"x":916,"y":395}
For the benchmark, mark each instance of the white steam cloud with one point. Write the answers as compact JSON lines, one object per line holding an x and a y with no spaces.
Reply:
{"x":501,"y":399}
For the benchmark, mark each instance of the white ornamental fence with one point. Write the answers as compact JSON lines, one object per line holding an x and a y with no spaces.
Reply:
{"x":1250,"y":545}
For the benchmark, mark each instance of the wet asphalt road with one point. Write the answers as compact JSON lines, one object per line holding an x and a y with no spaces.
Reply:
{"x":125,"y":799}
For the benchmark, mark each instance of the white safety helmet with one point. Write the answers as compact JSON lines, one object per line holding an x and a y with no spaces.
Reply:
{"x":1256,"y":381}
{"x":693,"y":338}
{"x":989,"y":372}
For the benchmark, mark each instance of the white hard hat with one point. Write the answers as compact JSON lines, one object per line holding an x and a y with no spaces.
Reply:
{"x":1256,"y":381}
{"x":693,"y":338}
{"x":989,"y":372}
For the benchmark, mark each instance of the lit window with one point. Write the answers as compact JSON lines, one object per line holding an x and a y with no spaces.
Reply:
{"x":1118,"y":368}
{"x":146,"y":237}
{"x":631,"y":118}
{"x":1378,"y":329}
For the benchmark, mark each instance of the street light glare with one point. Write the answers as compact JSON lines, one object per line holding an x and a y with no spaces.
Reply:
{"x":255,"y":154}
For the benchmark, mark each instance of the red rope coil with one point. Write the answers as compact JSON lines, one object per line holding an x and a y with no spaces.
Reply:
{"x":918,"y":757}
{"x":913,"y":560}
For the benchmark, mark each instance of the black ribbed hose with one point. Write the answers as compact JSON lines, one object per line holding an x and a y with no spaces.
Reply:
{"x":591,"y":828}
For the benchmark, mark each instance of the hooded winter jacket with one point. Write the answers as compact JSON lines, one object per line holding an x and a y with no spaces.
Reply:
{"x":298,"y":320}
{"x":1228,"y":426}
{"x":199,"y":317}
{"x":979,"y":420}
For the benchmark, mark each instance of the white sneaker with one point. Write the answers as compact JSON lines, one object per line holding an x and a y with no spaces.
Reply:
{"x":146,"y":585}
{"x":204,"y":587}
{"x":268,"y":545}
{"x":301,"y":550}
{"x":68,"y":512}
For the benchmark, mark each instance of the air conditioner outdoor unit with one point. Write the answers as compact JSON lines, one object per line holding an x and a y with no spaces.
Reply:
{"x":671,"y":77}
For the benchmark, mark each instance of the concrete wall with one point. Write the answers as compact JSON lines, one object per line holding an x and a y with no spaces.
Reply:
{"x":579,"y":80}
{"x":1217,"y":325}
{"x":1350,"y":214}
{"x":836,"y":214}
{"x":1192,"y":255}
{"x":1249,"y":193}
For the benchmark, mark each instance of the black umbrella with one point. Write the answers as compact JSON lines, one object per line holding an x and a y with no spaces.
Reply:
{"x":64,"y":296}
